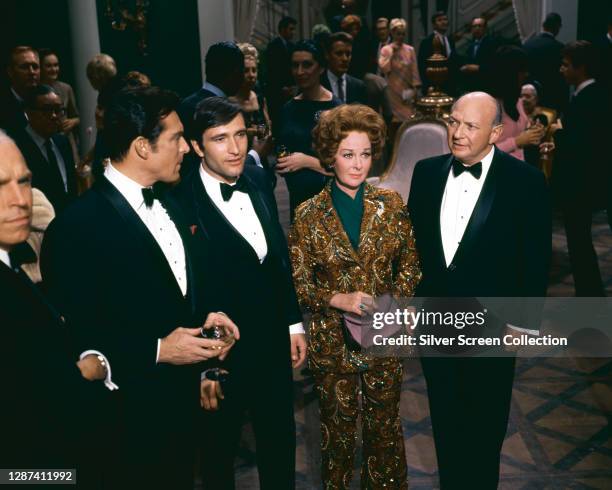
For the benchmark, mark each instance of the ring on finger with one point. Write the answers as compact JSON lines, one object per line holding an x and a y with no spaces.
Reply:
{"x":362,"y":306}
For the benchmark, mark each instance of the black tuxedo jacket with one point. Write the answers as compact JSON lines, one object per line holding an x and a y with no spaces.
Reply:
{"x":582,"y":159}
{"x":12,"y":115}
{"x":425,"y":51}
{"x":544,"y":55}
{"x":45,"y":396}
{"x":278,"y":61}
{"x":111,"y":280}
{"x":46,"y":178}
{"x":505,"y":251}
{"x":355,"y":89}
{"x":231,"y":259}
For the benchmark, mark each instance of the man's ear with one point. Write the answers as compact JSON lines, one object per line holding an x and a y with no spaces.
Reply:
{"x":197,"y":148}
{"x":141,"y":146}
{"x":496,"y":133}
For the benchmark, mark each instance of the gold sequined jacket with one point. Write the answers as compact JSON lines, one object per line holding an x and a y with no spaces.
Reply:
{"x":324,"y":263}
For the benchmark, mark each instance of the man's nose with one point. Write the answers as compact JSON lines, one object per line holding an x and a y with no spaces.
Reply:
{"x":18,"y":194}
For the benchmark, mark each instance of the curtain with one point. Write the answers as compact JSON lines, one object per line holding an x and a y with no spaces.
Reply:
{"x":245,"y":15}
{"x":528,"y":15}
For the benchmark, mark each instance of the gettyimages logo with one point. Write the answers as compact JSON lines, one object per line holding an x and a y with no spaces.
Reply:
{"x":413,"y":319}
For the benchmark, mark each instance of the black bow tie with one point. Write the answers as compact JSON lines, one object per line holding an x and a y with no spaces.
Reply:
{"x":149,"y":195}
{"x":228,"y":190}
{"x":459,"y":168}
{"x":22,"y":253}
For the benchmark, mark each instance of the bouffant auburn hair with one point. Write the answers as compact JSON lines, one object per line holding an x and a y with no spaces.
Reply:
{"x":335,"y":124}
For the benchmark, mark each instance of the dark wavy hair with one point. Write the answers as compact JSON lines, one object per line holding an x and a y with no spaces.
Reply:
{"x":504,"y":83}
{"x":135,"y":112}
{"x":310,"y":47}
{"x":335,"y":124}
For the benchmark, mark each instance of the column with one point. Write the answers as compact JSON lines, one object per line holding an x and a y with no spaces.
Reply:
{"x":85,"y":42}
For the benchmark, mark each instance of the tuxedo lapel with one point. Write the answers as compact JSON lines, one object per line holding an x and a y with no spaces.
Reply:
{"x":265,"y":215}
{"x":19,"y":276}
{"x":140,"y":233}
{"x":205,"y":206}
{"x":438,"y":188}
{"x":481,"y":212}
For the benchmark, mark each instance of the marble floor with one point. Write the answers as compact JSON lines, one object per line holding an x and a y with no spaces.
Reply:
{"x":559,"y":435}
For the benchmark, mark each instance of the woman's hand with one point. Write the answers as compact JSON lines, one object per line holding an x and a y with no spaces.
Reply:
{"x":297,"y":161}
{"x":69,"y":124}
{"x":356,"y":302}
{"x":531,"y":136}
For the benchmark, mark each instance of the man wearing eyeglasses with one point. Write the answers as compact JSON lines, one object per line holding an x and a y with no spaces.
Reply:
{"x":46,"y":149}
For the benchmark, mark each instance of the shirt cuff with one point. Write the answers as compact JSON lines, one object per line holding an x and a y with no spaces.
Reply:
{"x":157,"y":355}
{"x":255,"y":156}
{"x":524,"y":330}
{"x":296,"y":328}
{"x":108,"y":382}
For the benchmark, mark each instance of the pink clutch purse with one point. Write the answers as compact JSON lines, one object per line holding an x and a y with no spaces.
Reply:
{"x":359,"y":331}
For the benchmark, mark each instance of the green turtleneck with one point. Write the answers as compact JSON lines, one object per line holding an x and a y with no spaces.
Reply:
{"x":349,"y":210}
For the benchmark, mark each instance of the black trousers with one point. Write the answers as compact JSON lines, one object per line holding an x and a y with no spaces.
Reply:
{"x":269,"y":402}
{"x":469,"y":400}
{"x":583,"y":259}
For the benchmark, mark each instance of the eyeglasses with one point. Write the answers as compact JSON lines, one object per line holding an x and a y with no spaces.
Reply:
{"x":49,"y":110}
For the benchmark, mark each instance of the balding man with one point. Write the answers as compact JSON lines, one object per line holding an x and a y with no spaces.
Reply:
{"x":45,"y":392}
{"x":483,"y":229}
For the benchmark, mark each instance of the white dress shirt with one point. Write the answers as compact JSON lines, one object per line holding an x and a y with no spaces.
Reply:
{"x":4,"y":257}
{"x":240,"y":212}
{"x":335,"y":84}
{"x":460,"y":196}
{"x":40,"y":142}
{"x":220,"y":93}
{"x":158,"y":222}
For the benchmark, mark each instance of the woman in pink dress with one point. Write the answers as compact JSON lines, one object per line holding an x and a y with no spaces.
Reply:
{"x":509,"y":73}
{"x":399,"y":63}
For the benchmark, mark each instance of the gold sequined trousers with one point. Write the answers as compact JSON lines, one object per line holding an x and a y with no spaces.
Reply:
{"x":384,"y":459}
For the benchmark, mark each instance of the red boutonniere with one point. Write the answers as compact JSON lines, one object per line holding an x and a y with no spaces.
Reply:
{"x":193,"y":229}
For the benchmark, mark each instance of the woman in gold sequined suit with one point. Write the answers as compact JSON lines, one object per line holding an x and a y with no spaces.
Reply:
{"x":349,"y":243}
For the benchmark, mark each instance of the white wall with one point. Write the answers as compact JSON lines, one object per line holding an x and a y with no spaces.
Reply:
{"x":216,"y":23}
{"x":568,"y":10}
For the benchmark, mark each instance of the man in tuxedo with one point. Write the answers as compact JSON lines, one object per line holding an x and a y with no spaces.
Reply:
{"x":280,"y":86}
{"x":476,"y":239}
{"x":24,"y":74}
{"x":224,"y":66}
{"x":348,"y":89}
{"x":544,"y":56}
{"x":41,"y":417}
{"x":119,"y":264}
{"x":46,"y":148}
{"x":224,"y":76}
{"x":233,"y":204}
{"x":582,"y":162}
{"x":439,"y":21}
{"x":480,"y":54}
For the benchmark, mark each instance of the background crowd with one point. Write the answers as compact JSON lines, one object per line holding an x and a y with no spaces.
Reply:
{"x":553,"y":102}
